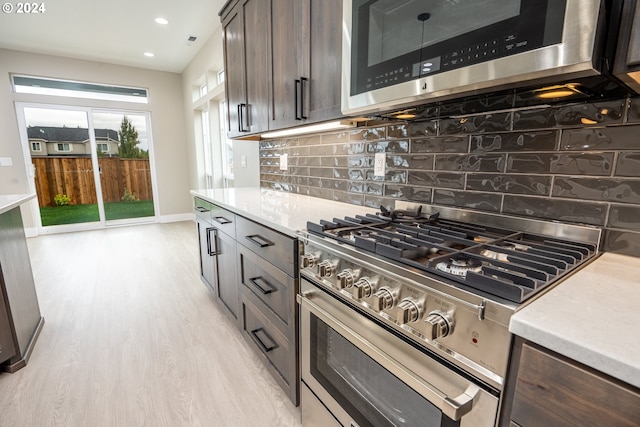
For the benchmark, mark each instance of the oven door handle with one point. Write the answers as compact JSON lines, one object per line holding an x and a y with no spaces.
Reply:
{"x":453,"y":407}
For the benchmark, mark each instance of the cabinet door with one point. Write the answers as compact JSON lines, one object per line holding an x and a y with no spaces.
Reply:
{"x":256,"y":32}
{"x":225,"y":248}
{"x":233,"y":41}
{"x":322,"y":97}
{"x":288,"y":64}
{"x":207,"y":260}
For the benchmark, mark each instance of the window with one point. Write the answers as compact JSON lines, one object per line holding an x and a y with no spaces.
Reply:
{"x":103,"y":148}
{"x":226,"y":148}
{"x":220,"y":76}
{"x":203,"y":90}
{"x":208,"y":155}
{"x":63,"y":147}
{"x":35,"y":146}
{"x":43,"y":86}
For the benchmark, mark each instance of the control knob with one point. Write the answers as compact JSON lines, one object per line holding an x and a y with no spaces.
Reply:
{"x":346,"y":278}
{"x":326,"y":268}
{"x":309,"y":260}
{"x":363,"y":288}
{"x":382,"y":299}
{"x":408,"y":311}
{"x":439,"y":325}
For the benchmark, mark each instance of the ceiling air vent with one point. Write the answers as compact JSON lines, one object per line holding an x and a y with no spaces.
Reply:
{"x":191,"y":39}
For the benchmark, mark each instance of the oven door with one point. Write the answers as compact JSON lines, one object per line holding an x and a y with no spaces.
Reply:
{"x":366,"y":375}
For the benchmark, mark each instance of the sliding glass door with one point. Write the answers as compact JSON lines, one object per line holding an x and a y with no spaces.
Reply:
{"x":91,"y":168}
{"x":125,"y":172}
{"x":61,"y":150}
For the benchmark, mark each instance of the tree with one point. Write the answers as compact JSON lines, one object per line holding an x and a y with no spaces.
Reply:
{"x":129,"y":140}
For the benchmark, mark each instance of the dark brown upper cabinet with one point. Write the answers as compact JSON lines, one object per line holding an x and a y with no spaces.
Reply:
{"x":283,"y":63}
{"x":306,"y":52}
{"x":245,"y":29}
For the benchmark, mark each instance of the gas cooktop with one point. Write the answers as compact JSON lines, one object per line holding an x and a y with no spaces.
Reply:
{"x":511,"y":258}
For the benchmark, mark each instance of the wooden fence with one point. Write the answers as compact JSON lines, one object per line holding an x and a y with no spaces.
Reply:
{"x":73,"y":176}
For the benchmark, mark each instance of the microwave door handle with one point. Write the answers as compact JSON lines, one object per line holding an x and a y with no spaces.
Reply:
{"x":453,"y":407}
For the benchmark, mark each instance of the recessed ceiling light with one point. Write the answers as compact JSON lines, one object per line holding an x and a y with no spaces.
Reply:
{"x":149,"y":54}
{"x":161,"y":21}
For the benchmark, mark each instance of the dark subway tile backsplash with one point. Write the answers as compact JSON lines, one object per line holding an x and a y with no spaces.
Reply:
{"x":516,"y":141}
{"x":577,"y":163}
{"x":628,"y":164}
{"x":539,"y":185}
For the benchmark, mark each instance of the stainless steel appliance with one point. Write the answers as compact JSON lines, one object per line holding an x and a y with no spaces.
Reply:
{"x":399,"y":53}
{"x":405,"y":314}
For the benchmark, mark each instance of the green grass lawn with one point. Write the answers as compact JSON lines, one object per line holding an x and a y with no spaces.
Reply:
{"x":74,"y":214}
{"x":122,"y":210}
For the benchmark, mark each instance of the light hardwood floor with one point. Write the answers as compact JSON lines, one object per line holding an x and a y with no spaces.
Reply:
{"x":133,"y":338}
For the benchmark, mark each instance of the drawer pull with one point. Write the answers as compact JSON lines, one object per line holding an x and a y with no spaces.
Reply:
{"x":259,"y":241}
{"x":221,"y":220}
{"x":202,"y":209}
{"x":262,"y":285}
{"x":256,"y":334}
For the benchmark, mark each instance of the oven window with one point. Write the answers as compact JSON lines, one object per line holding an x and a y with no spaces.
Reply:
{"x":369,"y":393}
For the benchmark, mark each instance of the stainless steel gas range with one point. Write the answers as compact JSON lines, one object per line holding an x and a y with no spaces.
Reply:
{"x":405,"y":313}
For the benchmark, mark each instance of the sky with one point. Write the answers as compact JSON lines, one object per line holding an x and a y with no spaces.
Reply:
{"x":74,"y":118}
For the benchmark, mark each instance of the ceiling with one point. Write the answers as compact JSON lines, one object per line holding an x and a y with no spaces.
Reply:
{"x":114,"y":31}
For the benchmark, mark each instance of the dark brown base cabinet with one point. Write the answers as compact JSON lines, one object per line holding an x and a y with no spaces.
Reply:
{"x":217,"y":248}
{"x":551,"y":390}
{"x":206,"y":234}
{"x":20,"y":318}
{"x":254,"y":278}
{"x":268,"y":273}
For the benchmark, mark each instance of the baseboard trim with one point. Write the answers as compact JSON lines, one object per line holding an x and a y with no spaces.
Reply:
{"x":31,"y":232}
{"x":177,"y":218}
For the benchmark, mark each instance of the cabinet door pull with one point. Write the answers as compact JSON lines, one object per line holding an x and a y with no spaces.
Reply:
{"x":302,"y":86}
{"x":244,"y":122}
{"x":212,"y":241}
{"x":260,"y":337}
{"x":239,"y":118}
{"x":262,"y":285}
{"x":202,"y":209}
{"x":259,"y":241}
{"x":297,"y":91}
{"x":221,"y":220}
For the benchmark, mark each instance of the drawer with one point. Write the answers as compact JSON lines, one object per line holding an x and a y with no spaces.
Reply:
{"x":223,"y":220}
{"x":278,"y":352}
{"x":270,"y":289}
{"x":202,"y":208}
{"x":552,"y":390}
{"x":275,"y":247}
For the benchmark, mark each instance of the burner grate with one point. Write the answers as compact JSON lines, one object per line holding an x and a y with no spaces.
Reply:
{"x":507,"y":263}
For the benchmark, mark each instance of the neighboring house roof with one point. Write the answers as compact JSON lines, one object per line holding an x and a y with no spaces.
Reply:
{"x":65,"y":134}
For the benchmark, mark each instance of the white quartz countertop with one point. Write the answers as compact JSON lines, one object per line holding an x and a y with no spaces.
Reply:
{"x":284,"y":212}
{"x":10,"y":201}
{"x":592,"y":317}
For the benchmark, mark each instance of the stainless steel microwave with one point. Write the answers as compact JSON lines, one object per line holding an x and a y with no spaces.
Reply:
{"x":400,"y":53}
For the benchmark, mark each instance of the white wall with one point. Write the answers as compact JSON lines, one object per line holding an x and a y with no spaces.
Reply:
{"x":204,"y":68}
{"x":171,"y":148}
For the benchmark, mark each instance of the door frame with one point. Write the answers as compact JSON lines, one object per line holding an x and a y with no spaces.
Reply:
{"x":30,"y":171}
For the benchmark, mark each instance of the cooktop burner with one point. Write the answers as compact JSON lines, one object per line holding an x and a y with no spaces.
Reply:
{"x":503,"y":261}
{"x":459,"y":266}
